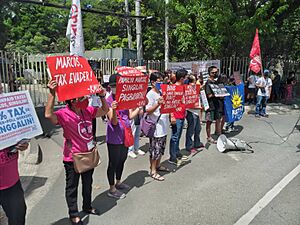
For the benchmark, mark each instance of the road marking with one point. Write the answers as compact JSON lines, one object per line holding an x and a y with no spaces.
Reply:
{"x":264,"y":201}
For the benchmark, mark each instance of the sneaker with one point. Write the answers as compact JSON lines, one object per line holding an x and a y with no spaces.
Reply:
{"x":140,"y":152}
{"x":131,"y":154}
{"x":184,"y":158}
{"x":173,"y":161}
{"x":265,"y":115}
{"x":179,"y":162}
{"x":122,"y":186}
{"x":117,"y":194}
{"x":257,"y":115}
{"x":232,"y":129}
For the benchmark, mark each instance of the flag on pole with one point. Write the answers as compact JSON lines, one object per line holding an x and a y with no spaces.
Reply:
{"x":74,"y":30}
{"x":255,"y":55}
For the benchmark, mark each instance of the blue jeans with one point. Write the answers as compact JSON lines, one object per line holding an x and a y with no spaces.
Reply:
{"x":136,"y":131}
{"x":193,"y":129}
{"x":175,"y":138}
{"x":261,"y":104}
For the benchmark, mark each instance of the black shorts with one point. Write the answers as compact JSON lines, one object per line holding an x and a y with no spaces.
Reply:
{"x":212,"y":115}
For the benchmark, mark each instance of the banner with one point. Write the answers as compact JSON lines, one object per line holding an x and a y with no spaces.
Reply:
{"x":74,"y":30}
{"x":191,"y":96}
{"x":74,"y":76}
{"x":234,"y":104}
{"x":18,"y":119}
{"x":219,"y":90}
{"x":131,"y":91}
{"x":255,"y":55}
{"x":128,"y":71}
{"x":173,"y":98}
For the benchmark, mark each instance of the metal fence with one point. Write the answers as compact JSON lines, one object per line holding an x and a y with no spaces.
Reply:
{"x":29,"y":72}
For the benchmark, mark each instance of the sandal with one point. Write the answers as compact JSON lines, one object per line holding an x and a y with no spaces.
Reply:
{"x":157,"y":177}
{"x":162,"y":169}
{"x":211,"y":140}
{"x":79,"y":222}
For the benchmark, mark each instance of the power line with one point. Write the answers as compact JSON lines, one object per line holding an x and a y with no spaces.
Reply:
{"x":102,"y":13}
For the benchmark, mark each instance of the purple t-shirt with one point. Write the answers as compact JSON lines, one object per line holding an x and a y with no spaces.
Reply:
{"x":115,"y":133}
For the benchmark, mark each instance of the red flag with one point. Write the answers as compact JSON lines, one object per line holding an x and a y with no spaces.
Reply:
{"x":255,"y":56}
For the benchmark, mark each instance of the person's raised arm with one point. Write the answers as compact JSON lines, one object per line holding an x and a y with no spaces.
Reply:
{"x":49,"y":114}
{"x":112,"y":113}
{"x":103,"y":110}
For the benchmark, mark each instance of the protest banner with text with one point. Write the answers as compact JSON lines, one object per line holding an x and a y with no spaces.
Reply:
{"x":74,"y":76}
{"x":173,"y":98}
{"x":18,"y":119}
{"x":191,"y":96}
{"x":128,"y":71}
{"x":131,"y":91}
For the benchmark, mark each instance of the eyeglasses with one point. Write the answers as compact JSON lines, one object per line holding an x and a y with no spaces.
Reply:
{"x":214,"y":72}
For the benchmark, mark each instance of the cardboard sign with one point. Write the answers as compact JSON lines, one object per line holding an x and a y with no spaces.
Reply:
{"x":204,"y":100}
{"x":128,"y":71}
{"x":18,"y":119}
{"x":173,"y":98}
{"x":191,"y":96}
{"x":219,"y":90}
{"x":74,"y":76}
{"x":131,"y":91}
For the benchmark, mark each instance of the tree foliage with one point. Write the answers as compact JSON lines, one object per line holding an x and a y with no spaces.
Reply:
{"x":198,"y":29}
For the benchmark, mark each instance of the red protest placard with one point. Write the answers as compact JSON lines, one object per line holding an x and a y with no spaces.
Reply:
{"x":131,"y":91}
{"x":128,"y":71}
{"x":191,"y":96}
{"x":74,"y":76}
{"x":173,"y":97}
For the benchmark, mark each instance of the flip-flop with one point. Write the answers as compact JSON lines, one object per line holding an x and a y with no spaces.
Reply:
{"x":162,"y":169}
{"x":157,"y":177}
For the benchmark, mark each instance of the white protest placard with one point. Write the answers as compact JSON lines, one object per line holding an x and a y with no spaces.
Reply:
{"x":18,"y":119}
{"x":204,"y":100}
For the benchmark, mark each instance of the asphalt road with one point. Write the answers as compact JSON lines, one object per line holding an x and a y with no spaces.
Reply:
{"x":211,"y":189}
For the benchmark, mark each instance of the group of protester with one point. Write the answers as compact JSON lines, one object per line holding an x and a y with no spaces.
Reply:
{"x":270,"y":88}
{"x":76,"y":120}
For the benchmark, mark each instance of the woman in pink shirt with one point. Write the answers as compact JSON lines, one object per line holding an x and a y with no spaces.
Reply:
{"x":11,"y":192}
{"x":76,"y":121}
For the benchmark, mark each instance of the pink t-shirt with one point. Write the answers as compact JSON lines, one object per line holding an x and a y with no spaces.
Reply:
{"x":77,"y":130}
{"x":9,"y":174}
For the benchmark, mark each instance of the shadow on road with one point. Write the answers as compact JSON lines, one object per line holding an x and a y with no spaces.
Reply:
{"x":35,"y":183}
{"x":104,"y":203}
{"x":233,"y":134}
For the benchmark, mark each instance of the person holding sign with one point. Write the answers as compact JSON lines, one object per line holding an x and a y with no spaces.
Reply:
{"x":76,"y":121}
{"x":161,"y":121}
{"x":118,"y":126}
{"x":11,"y":192}
{"x":212,"y":113}
{"x":194,"y":126}
{"x":177,"y":122}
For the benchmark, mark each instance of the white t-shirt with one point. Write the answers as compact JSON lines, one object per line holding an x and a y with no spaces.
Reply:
{"x":163,"y":124}
{"x":252,"y":80}
{"x":268,"y":85}
{"x":262,"y":82}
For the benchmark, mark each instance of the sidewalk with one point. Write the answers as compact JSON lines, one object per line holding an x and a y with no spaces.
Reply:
{"x":277,"y":108}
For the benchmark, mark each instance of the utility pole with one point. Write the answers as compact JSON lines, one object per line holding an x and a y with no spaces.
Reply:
{"x":166,"y":35}
{"x":128,"y":25}
{"x":139,"y":46}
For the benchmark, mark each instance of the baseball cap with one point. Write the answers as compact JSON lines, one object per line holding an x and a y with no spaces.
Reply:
{"x":266,"y":71}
